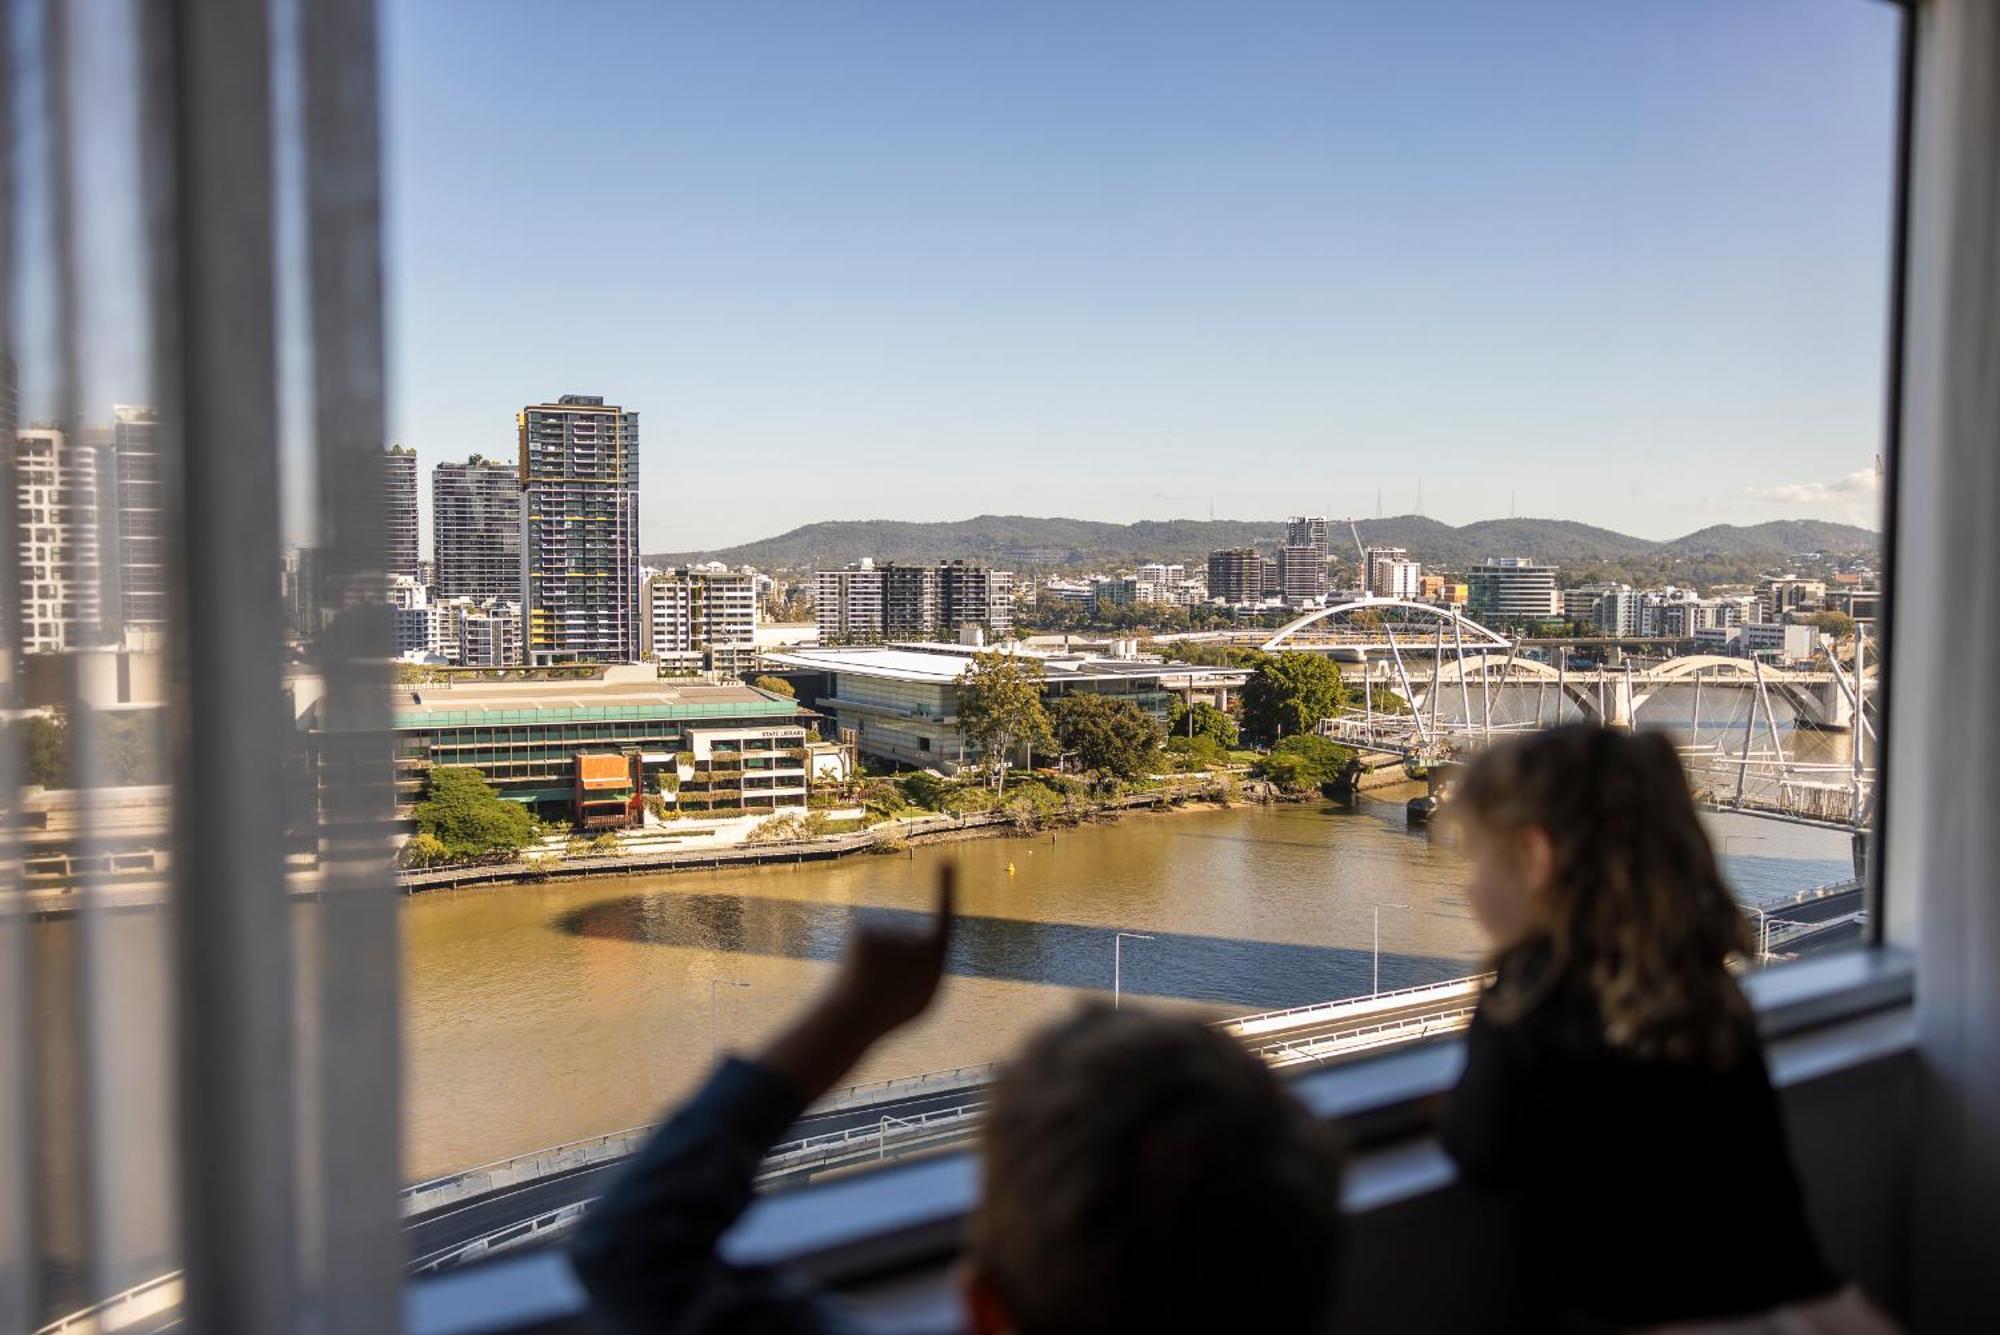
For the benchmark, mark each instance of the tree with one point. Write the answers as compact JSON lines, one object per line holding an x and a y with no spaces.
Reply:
{"x":775,"y":685}
{"x":1305,"y":761}
{"x":1290,"y":693}
{"x":469,"y":818}
{"x":1107,"y":733}
{"x":1202,"y":719}
{"x":47,"y":749}
{"x":1837,"y":624}
{"x":1000,"y":708}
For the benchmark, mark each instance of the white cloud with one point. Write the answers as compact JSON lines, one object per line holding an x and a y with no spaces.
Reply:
{"x":1855,"y":497}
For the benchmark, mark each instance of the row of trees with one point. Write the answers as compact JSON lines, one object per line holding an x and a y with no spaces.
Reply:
{"x":127,"y":747}
{"x":1001,"y":711}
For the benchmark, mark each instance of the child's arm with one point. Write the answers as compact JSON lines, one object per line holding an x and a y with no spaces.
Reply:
{"x":648,"y":1251}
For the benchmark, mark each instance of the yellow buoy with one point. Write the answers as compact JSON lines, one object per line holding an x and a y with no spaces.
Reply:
{"x":1010,"y":869}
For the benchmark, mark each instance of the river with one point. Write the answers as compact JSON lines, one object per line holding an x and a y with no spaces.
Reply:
{"x":536,"y":1015}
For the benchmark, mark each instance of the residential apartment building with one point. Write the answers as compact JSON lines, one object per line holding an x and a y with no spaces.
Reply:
{"x":476,"y":529}
{"x":1390,"y":573}
{"x":1512,"y":588}
{"x":489,"y":633}
{"x":399,"y":513}
{"x":867,"y":604}
{"x":911,"y":601}
{"x":1302,"y":575}
{"x":1166,"y":583}
{"x":299,"y":585}
{"x":139,"y":522}
{"x":1614,"y":609}
{"x":1236,"y":575}
{"x":1307,"y":531}
{"x":580,"y":531}
{"x":56,"y":517}
{"x":970,"y":594}
{"x":701,"y":618}
{"x":847,"y":604}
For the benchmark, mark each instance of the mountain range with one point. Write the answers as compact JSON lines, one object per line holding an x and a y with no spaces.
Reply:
{"x":1026,"y":542}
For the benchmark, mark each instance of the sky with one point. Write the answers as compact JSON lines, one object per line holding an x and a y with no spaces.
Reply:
{"x":1619,"y":263}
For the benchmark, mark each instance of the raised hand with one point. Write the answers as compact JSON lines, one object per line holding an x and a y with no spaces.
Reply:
{"x":887,"y":978}
{"x":889,"y":974}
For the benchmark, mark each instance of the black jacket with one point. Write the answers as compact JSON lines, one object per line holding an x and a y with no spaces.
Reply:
{"x":1653,"y":1190}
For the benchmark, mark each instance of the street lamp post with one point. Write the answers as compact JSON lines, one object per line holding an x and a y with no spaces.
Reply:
{"x":1376,"y":989}
{"x":1763,"y":933}
{"x":714,"y":1040}
{"x":1118,"y":964}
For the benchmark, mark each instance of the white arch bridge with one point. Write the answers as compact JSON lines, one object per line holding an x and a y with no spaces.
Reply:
{"x":1434,"y":676}
{"x":1417,"y":650}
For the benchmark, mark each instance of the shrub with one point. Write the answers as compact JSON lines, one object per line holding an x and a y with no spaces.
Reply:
{"x":778,"y":829}
{"x":1304,"y":763}
{"x":1200,"y":751}
{"x":423,"y":850}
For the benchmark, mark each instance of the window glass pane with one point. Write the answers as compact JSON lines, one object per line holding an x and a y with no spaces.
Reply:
{"x":1329,"y":393}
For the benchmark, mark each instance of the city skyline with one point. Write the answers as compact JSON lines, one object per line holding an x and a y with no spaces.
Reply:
{"x":1369,"y":262}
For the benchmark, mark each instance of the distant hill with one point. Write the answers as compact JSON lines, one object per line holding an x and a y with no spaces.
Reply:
{"x":1786,"y":535}
{"x":1026,"y":542}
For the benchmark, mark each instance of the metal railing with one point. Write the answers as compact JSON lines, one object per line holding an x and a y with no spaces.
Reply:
{"x":854,"y":1145}
{"x":1318,"y":1049}
{"x":514,"y":1235}
{"x":155,"y":1297}
{"x":1416,"y":992}
{"x":551,"y":1159}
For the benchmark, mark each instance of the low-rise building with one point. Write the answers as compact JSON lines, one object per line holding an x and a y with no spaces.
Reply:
{"x":899,"y":703}
{"x":1512,"y":588}
{"x":1788,"y":593}
{"x":525,"y":736}
{"x":1779,"y":641}
{"x":731,"y":771}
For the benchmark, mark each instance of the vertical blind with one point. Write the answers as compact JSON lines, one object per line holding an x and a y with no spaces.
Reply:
{"x":198,"y":1030}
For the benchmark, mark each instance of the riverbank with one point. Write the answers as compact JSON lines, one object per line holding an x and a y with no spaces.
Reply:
{"x":890,"y":837}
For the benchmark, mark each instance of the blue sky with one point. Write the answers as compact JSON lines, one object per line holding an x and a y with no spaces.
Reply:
{"x":1623,"y":263}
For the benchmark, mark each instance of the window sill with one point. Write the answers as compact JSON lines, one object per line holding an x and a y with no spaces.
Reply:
{"x":884,"y":1235}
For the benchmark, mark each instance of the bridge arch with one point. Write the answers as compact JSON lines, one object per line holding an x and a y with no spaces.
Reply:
{"x":1470,"y":632}
{"x":1804,"y":692}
